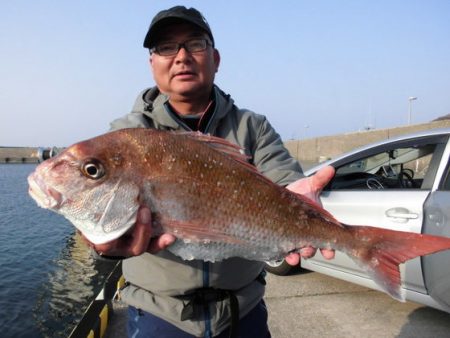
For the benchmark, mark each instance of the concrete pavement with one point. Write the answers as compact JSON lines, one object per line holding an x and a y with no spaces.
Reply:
{"x":312,"y":305}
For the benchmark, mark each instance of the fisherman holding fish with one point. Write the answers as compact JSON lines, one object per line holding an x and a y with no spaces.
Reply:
{"x":170,"y":297}
{"x":195,"y":194}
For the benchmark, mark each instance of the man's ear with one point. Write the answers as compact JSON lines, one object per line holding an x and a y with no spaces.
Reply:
{"x":216,"y":59}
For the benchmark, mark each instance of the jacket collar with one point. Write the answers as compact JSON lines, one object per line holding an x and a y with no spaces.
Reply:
{"x":154,"y":105}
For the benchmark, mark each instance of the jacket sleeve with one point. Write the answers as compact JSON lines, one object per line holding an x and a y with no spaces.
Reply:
{"x":270,"y":156}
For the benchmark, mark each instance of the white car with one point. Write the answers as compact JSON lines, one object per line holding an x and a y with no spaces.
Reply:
{"x":402,"y":184}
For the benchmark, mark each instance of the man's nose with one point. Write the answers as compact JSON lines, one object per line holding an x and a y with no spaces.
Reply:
{"x":182,"y":54}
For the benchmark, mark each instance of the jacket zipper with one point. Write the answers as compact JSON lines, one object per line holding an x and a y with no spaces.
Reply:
{"x":208,"y":333}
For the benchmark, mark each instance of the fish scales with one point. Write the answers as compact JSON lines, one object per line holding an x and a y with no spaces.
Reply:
{"x":221,"y":197}
{"x":202,"y":190}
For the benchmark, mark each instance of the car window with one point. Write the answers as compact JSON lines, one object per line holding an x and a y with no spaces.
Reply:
{"x":397,"y":168}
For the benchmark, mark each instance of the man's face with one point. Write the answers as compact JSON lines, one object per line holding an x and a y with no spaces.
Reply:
{"x":184,"y":75}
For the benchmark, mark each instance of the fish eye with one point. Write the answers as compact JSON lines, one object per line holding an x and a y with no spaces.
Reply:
{"x":93,"y":169}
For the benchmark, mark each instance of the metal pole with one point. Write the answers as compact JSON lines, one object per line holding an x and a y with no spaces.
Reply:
{"x":410,"y":99}
{"x":409,"y":114}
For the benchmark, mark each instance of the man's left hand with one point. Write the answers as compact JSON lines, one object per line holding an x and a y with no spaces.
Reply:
{"x":311,"y":187}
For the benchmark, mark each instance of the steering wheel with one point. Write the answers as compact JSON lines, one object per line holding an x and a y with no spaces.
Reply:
{"x":405,"y":179}
{"x":409,"y":171}
{"x":373,"y":183}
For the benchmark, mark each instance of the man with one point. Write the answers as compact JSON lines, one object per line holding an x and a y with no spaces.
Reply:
{"x":169,"y":297}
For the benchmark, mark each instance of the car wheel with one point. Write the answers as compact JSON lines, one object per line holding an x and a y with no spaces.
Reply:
{"x":280,"y":267}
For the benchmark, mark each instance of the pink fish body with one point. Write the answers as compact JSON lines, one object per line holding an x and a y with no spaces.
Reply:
{"x":202,"y":190}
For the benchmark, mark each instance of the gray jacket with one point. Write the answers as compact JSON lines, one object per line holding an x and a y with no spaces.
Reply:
{"x":161,"y":283}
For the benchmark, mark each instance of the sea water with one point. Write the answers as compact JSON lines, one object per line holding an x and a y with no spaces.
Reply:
{"x":47,"y":274}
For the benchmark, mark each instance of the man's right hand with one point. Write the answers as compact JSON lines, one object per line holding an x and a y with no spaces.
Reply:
{"x":136,"y":242}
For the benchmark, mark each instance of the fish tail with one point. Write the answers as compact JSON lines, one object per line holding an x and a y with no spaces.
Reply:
{"x":383,"y":250}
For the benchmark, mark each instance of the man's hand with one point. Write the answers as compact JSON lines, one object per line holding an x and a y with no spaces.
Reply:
{"x":311,"y":188}
{"x":138,"y":241}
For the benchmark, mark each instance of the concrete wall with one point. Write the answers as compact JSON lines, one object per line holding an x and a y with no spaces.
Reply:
{"x":308,"y":151}
{"x":18,"y":155}
{"x":315,"y":150}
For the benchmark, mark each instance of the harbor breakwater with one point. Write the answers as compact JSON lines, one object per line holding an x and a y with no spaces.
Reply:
{"x":308,"y":151}
{"x":18,"y":155}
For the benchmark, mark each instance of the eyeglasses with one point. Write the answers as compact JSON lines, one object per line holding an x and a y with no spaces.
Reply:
{"x":172,"y":48}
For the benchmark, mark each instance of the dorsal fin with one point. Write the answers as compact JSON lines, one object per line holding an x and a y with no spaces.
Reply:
{"x":223,"y":146}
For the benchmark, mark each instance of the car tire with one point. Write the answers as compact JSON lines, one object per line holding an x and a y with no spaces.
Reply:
{"x":280,"y":268}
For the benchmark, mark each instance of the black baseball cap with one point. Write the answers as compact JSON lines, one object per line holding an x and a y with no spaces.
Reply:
{"x":177,"y":13}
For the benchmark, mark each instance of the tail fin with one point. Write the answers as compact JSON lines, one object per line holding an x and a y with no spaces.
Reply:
{"x":383,"y":250}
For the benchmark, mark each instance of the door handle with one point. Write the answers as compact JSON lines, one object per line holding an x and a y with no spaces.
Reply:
{"x":402,"y":214}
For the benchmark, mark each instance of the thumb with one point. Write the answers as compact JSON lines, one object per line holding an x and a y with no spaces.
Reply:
{"x":321,"y":178}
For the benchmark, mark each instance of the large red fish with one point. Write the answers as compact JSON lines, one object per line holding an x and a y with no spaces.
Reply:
{"x":202,"y":190}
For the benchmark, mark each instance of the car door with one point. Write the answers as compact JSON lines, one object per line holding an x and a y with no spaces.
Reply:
{"x":385,"y":186}
{"x":437,"y":222}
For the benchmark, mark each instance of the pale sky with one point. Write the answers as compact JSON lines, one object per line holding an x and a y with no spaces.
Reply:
{"x":314,"y":68}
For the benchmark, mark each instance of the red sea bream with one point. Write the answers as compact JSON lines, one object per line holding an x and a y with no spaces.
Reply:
{"x":202,"y":190}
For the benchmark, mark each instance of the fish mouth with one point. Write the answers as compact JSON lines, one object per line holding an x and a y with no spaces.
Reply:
{"x":46,"y":197}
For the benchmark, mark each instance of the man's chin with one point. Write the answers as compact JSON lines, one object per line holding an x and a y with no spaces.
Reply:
{"x":188,"y":91}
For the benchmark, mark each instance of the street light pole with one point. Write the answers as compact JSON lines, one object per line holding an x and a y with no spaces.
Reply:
{"x":410,"y":99}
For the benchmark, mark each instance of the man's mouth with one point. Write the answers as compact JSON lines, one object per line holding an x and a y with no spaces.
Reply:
{"x":184,"y":74}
